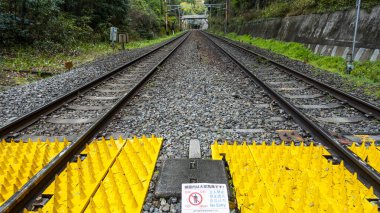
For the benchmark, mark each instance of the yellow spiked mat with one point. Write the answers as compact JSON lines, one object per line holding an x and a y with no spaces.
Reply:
{"x":370,"y":154}
{"x":114,"y":177}
{"x":279,"y":178}
{"x":22,"y":160}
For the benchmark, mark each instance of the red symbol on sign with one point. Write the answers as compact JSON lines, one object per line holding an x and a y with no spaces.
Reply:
{"x":195,"y":198}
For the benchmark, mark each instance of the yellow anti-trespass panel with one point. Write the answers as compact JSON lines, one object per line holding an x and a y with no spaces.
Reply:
{"x":279,"y":178}
{"x":113,"y":177}
{"x":20,"y":161}
{"x":370,"y":154}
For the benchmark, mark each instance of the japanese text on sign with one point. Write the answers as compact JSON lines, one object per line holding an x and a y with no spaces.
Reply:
{"x":204,"y":197}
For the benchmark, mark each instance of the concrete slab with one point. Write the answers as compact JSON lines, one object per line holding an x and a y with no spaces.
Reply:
{"x":194,"y":149}
{"x":71,"y":121}
{"x":174,"y":172}
{"x":307,"y":96}
{"x":319,"y":106}
{"x":353,"y":119}
{"x":112,"y":90}
{"x":85,"y":107}
{"x":99,"y":98}
{"x":375,"y":55}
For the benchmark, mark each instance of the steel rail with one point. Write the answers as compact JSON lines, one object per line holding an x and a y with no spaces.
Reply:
{"x":365,"y":171}
{"x":31,"y":117}
{"x":363,"y":106}
{"x":38,"y":182}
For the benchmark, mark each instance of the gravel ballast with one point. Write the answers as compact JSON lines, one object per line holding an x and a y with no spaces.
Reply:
{"x":198,"y":94}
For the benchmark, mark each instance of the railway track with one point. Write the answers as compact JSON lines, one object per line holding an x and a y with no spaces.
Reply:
{"x":95,"y":97}
{"x":84,"y":110}
{"x":277,"y":80}
{"x":103,"y":98}
{"x":201,"y":93}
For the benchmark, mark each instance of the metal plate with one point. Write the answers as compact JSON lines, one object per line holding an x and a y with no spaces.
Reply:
{"x":245,"y":130}
{"x":174,"y":172}
{"x":71,"y":121}
{"x":289,"y":135}
{"x":291,"y":88}
{"x":353,"y":119}
{"x":101,"y":97}
{"x":78,"y":107}
{"x":324,"y":106}
{"x":303,"y":96}
{"x":281,"y":82}
{"x":112,"y":90}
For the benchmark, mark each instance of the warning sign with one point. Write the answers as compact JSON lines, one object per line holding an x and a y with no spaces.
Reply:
{"x":204,"y":197}
{"x":195,"y":199}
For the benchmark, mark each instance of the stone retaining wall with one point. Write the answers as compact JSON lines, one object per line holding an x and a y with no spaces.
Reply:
{"x":326,"y":34}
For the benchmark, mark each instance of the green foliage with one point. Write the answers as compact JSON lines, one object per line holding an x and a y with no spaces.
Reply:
{"x":41,"y":35}
{"x":199,"y":7}
{"x":143,"y":20}
{"x":368,"y":70}
{"x":54,"y":25}
{"x":251,"y":9}
{"x":144,"y":43}
{"x":365,"y":73}
{"x":193,"y":7}
{"x":31,"y":59}
{"x":187,"y":7}
{"x":275,"y":10}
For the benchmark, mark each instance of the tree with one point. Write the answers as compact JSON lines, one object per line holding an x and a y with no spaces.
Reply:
{"x":61,"y":22}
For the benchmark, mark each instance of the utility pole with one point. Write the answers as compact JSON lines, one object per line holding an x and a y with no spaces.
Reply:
{"x":351,"y":57}
{"x":179,"y":19}
{"x":356,"y":26}
{"x":219,"y":7}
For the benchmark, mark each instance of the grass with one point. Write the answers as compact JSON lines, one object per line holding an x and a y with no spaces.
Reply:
{"x":365,"y":74}
{"x":27,"y":58}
